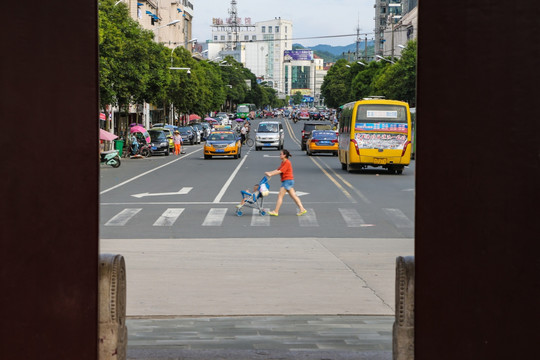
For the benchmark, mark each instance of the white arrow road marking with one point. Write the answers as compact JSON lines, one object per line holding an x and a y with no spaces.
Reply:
{"x":169,"y":217}
{"x":122,"y":217}
{"x":182,"y":191}
{"x":353,"y":219}
{"x":298,"y":193}
{"x":215,"y":217}
{"x":398,"y":218}
{"x":308,"y":219}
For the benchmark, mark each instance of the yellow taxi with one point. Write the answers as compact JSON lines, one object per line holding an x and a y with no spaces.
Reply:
{"x":322,"y":141}
{"x":222,"y":143}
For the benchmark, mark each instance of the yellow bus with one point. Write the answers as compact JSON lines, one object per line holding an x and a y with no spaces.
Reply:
{"x":375,"y":132}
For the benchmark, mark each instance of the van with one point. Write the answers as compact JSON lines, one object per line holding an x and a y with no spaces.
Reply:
{"x":269,"y":134}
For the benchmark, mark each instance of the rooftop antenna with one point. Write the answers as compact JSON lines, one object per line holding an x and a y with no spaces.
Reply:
{"x":358,"y":39}
{"x":233,"y":12}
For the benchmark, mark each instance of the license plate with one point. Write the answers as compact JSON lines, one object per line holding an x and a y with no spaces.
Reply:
{"x":154,"y":148}
{"x":324,"y":142}
{"x":379,"y":161}
{"x":267,"y":144}
{"x":220,"y":150}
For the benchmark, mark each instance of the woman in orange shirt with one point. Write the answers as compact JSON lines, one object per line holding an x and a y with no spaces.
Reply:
{"x":287,"y":183}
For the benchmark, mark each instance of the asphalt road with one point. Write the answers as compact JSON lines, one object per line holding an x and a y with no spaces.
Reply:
{"x":170,"y":197}
{"x":188,"y":253}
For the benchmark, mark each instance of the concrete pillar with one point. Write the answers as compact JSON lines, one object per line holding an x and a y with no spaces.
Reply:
{"x":403,"y":330}
{"x":112,"y":307}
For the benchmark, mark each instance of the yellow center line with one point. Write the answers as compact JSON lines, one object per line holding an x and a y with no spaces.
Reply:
{"x":345,"y":192}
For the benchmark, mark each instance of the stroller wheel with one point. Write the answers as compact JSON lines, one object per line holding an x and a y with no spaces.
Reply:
{"x":262,"y":212}
{"x":239,"y":213}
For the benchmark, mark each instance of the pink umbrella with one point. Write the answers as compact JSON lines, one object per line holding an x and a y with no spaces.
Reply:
{"x":194,"y":117}
{"x":105,"y":135}
{"x":137,"y":128}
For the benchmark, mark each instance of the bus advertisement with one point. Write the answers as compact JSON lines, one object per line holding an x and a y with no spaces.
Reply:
{"x":375,"y":132}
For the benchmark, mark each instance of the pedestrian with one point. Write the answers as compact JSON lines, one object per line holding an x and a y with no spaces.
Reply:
{"x":287,"y":183}
{"x":243,"y":132}
{"x":134,"y":144}
{"x":177,"y":138}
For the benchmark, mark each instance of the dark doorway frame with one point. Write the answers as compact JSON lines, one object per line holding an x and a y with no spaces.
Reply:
{"x":478,"y":171}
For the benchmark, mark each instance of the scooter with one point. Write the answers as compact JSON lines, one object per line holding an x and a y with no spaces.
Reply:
{"x":110,"y":157}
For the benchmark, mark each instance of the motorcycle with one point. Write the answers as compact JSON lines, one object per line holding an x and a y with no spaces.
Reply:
{"x":142,"y":150}
{"x":110,"y":157}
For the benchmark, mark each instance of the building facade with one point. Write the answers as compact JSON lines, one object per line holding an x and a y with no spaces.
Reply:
{"x":395,"y":24}
{"x":259,"y":47}
{"x":304,"y":72}
{"x":170,"y":20}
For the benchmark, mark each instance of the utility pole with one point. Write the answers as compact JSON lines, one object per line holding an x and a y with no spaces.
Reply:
{"x":357,"y":43}
{"x":365,"y":48}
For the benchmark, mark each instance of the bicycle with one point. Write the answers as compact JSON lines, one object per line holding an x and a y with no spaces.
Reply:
{"x":249,"y":141}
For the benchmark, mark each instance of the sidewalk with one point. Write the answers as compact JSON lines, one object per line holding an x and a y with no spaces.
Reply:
{"x":261,"y":337}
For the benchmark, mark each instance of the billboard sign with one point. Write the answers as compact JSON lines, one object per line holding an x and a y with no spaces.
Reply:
{"x":298,"y":54}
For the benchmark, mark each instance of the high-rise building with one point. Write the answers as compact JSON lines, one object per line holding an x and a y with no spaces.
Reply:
{"x":259,"y":46}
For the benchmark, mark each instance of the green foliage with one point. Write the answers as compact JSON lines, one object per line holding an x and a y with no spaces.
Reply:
{"x":297,"y":98}
{"x":397,"y":81}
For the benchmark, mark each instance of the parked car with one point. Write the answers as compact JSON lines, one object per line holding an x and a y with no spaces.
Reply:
{"x":224,"y":118}
{"x":197,"y":132}
{"x":158,"y":142}
{"x":201,"y":129}
{"x":223,"y":143}
{"x":322,"y":141}
{"x":187,"y":134}
{"x":168,"y":134}
{"x":269,"y":134}
{"x":309,"y":126}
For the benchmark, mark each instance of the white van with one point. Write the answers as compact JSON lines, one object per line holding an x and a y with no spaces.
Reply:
{"x":269,"y":134}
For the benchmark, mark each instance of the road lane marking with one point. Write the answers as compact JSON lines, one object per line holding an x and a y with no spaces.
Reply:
{"x":147,"y":172}
{"x":182,"y":191}
{"x":398,"y":218}
{"x":309,"y":219}
{"x":169,"y":217}
{"x":122,"y":217}
{"x":352,"y":218}
{"x":345,"y":192}
{"x":215,"y":217}
{"x":229,"y":181}
{"x":258,"y":220}
{"x":356,"y":191}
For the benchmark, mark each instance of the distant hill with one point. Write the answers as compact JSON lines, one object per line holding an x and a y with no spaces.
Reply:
{"x":333,"y":53}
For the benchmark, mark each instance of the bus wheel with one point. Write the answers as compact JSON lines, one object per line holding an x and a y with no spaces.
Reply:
{"x":343,"y":166}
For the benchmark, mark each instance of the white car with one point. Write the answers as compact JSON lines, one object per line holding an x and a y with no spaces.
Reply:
{"x":269,"y":134}
{"x":225,"y":120}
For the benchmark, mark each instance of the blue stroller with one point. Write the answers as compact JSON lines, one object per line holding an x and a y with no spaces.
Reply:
{"x":255,"y":199}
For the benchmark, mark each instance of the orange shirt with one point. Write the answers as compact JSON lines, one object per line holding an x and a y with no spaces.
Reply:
{"x":286,"y":170}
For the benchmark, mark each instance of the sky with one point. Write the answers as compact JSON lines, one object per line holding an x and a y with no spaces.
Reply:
{"x":311,"y":18}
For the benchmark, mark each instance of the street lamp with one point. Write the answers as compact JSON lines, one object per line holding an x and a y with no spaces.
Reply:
{"x":361,"y":63}
{"x":168,"y":24}
{"x":181,"y":68}
{"x":385,"y":59}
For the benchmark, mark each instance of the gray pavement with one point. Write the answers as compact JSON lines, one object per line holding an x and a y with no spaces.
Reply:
{"x":261,"y":337}
{"x":241,"y":298}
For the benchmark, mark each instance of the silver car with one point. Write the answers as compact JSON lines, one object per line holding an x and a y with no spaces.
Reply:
{"x":269,"y":134}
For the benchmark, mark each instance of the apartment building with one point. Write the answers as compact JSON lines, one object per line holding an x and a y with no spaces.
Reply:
{"x":259,"y":46}
{"x":171,"y":21}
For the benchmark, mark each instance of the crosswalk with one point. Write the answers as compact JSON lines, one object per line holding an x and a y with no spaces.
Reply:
{"x":217,"y":216}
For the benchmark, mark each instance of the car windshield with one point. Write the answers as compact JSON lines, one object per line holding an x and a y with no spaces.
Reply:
{"x":311,"y":127}
{"x":184,"y":129}
{"x":157,"y":135}
{"x":221,"y":137}
{"x":268,"y":128}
